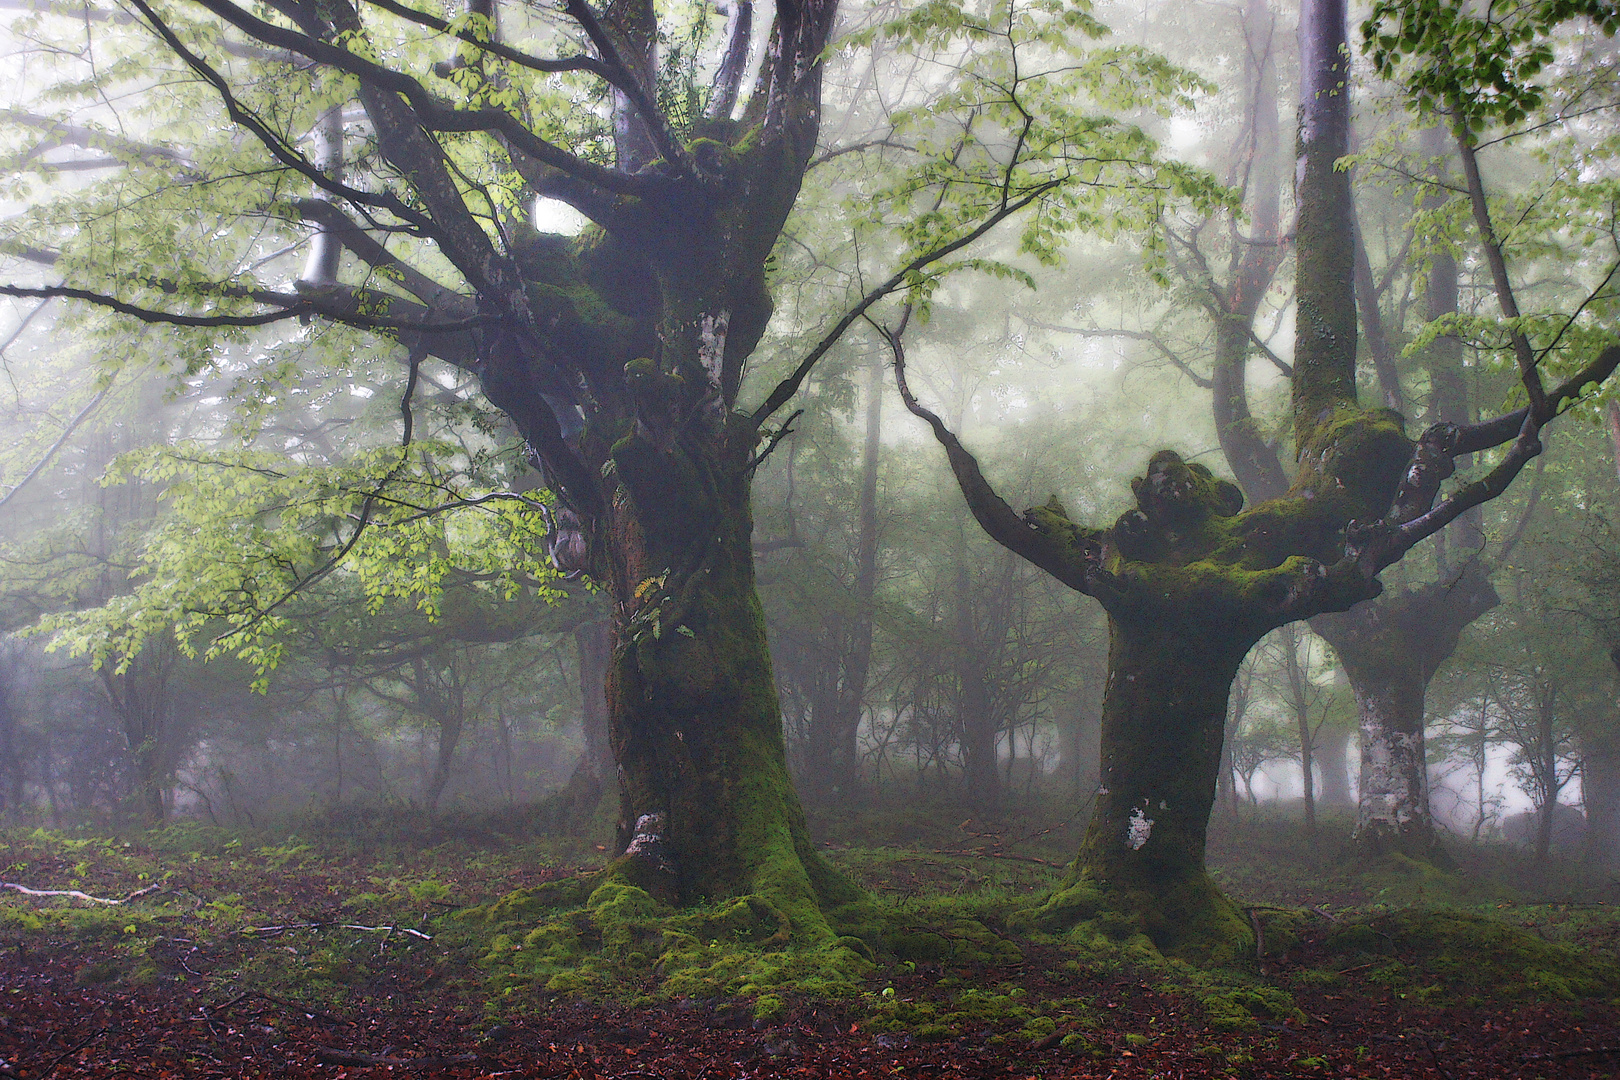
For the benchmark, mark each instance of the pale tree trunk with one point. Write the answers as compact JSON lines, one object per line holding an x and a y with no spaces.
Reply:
{"x":1333,"y":759}
{"x":1391,"y":649}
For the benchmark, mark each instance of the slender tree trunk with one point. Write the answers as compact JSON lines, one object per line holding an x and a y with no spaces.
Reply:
{"x":976,"y":719}
{"x":1332,"y":758}
{"x":450,"y":728}
{"x":858,"y":658}
{"x":1600,"y":788}
{"x":832,"y":749}
{"x":1255,"y":260}
{"x":1546,"y":772}
{"x":1302,"y":721}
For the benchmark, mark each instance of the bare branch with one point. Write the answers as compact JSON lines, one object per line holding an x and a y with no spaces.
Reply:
{"x":495,"y":48}
{"x":790,"y":385}
{"x":67,"y":432}
{"x":432,"y":112}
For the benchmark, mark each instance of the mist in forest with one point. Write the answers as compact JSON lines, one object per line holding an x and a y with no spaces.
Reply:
{"x":447,"y":656}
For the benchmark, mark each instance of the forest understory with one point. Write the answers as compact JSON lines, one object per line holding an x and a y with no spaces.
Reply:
{"x":351,"y":953}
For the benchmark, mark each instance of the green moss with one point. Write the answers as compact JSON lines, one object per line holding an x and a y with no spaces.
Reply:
{"x":1003,"y":1008}
{"x":624,"y":942}
{"x":1452,"y":953}
{"x":1190,"y":920}
{"x":1400,"y":880}
{"x":1240,"y":1008}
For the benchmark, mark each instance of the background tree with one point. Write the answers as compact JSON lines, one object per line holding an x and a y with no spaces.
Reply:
{"x":1191,"y":583}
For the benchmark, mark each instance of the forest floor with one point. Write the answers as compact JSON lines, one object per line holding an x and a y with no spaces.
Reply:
{"x":332,"y":954}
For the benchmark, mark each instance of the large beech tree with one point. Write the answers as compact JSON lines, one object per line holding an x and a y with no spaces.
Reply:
{"x":618,"y":354}
{"x":1191,"y":580}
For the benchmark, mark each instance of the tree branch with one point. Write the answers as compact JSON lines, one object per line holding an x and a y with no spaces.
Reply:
{"x":790,"y":385}
{"x":432,"y":112}
{"x":1075,"y":560}
{"x":495,"y":48}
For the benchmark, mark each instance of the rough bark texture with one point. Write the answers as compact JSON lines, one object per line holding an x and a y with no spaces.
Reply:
{"x":1391,"y":649}
{"x":707,"y":806}
{"x":1164,"y":716}
{"x":1325,"y":338}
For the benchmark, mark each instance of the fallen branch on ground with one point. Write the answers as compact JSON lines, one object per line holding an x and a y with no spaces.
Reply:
{"x":330,"y":1055}
{"x":307,"y":1010}
{"x":335,"y":926}
{"x":1559,"y":1055}
{"x":77,"y":895}
{"x":998,"y":855}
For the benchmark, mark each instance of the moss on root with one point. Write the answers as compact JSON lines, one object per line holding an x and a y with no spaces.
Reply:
{"x":620,"y":941}
{"x":1190,"y":921}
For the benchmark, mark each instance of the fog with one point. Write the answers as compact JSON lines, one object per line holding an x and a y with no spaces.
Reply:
{"x":242,"y":585}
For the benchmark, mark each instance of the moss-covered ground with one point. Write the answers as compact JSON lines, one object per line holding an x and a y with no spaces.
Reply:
{"x":472,"y":947}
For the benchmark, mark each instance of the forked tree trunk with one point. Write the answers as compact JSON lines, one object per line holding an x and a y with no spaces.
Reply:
{"x":1391,"y":648}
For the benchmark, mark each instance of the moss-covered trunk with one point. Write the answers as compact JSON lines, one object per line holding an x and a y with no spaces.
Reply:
{"x":707,"y":808}
{"x":1163,"y":722}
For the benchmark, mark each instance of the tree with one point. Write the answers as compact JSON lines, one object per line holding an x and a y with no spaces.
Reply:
{"x":617,"y":354}
{"x":1191,"y":581}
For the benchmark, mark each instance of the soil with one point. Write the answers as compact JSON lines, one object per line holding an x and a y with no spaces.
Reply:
{"x":74,"y":1007}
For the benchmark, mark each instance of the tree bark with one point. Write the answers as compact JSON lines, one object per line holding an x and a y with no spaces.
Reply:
{"x":1163,"y":726}
{"x":1391,"y":649}
{"x":707,"y":808}
{"x":1600,"y":789}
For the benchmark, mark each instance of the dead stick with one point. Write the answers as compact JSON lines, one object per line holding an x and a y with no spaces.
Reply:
{"x":77,"y":895}
{"x":1596,"y":1051}
{"x":71,"y":1051}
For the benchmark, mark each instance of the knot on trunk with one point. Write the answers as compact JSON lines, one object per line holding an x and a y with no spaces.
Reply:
{"x":1175,"y":500}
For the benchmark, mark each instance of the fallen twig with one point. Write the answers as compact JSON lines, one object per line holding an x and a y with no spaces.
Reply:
{"x":77,"y":895}
{"x":998,"y":855}
{"x":335,"y":926}
{"x":312,"y":1013}
{"x":70,"y":1051}
{"x":331,"y":1055}
{"x":1559,"y":1055}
